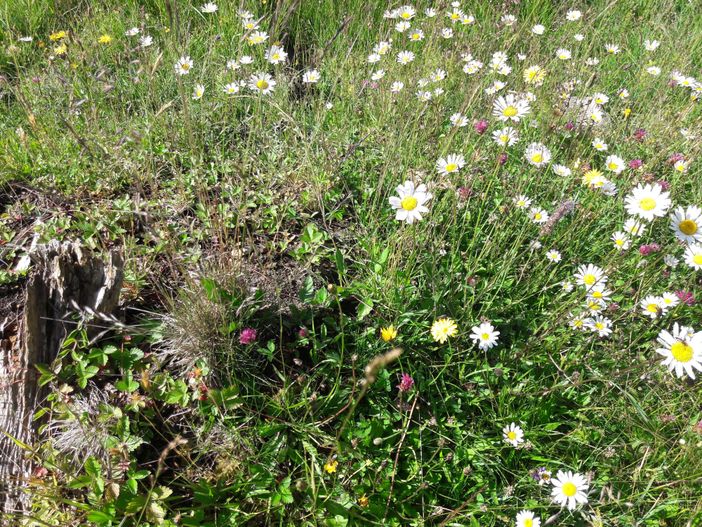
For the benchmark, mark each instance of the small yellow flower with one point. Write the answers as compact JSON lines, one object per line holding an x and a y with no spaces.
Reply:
{"x":58,"y":35}
{"x":388,"y":333}
{"x":60,"y":50}
{"x":105,"y":39}
{"x":442,"y":329}
{"x":363,"y":501}
{"x":626,"y":112}
{"x":330,"y":466}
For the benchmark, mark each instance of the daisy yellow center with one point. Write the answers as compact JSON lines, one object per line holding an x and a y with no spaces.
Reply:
{"x":619,"y":242}
{"x":510,"y":111}
{"x":276,"y":56}
{"x":653,"y":308}
{"x":528,"y":522}
{"x":512,"y":435}
{"x":612,"y":166}
{"x":537,"y":157}
{"x":600,"y":326}
{"x":406,"y":15}
{"x":597,"y":294}
{"x":415,"y":36}
{"x":647,"y":204}
{"x":504,"y":138}
{"x":538,"y":216}
{"x":455,"y":16}
{"x":589,"y":279}
{"x":486,"y":336}
{"x":451,"y":167}
{"x":409,"y":203}
{"x":569,"y":489}
{"x":697,"y":259}
{"x":262,"y":84}
{"x":681,"y":352}
{"x":185,"y":66}
{"x":688,"y":227}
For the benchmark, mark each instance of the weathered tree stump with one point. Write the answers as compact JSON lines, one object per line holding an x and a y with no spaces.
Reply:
{"x":64,"y":275}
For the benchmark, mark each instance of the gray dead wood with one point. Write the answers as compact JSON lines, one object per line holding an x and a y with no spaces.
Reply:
{"x":62,"y":275}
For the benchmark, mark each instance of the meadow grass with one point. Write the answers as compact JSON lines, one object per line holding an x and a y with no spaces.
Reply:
{"x":252,"y":385}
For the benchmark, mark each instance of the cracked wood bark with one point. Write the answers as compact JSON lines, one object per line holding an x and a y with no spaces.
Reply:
{"x":63,"y":272}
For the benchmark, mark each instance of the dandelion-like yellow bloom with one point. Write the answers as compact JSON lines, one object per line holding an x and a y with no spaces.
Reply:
{"x":388,"y":333}
{"x":330,"y":466}
{"x":60,"y":50}
{"x":363,"y":501}
{"x":105,"y":39}
{"x":58,"y":35}
{"x":442,"y":329}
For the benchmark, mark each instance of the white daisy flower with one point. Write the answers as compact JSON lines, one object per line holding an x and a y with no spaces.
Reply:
{"x":184,"y":65}
{"x":506,"y":136}
{"x":599,"y":144}
{"x":652,"y":306}
{"x":687,"y":224}
{"x":589,"y":275}
{"x":682,"y":350}
{"x":232,"y":88}
{"x":410,"y":202}
{"x":621,"y":241}
{"x":485,"y":336}
{"x":262,"y":83}
{"x":615,"y":164}
{"x":563,"y":54}
{"x":634,"y":227}
{"x":537,"y":154}
{"x":257,"y":37}
{"x":648,"y":201}
{"x":669,"y":300}
{"x":522,"y":202}
{"x":600,"y":325}
{"x":569,"y":489}
{"x":573,"y":15}
{"x":561,"y":170}
{"x":405,"y":57}
{"x":311,"y":77}
{"x":553,"y":256}
{"x":276,"y":55}
{"x":397,"y":86}
{"x":538,"y":215}
{"x":510,"y":108}
{"x":198,"y":91}
{"x":513,"y":434}
{"x":693,"y":256}
{"x":527,"y":519}
{"x":449,"y":164}
{"x":458,"y":120}
{"x":651,"y":45}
